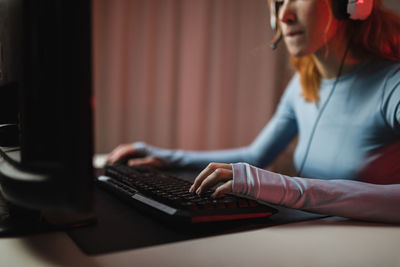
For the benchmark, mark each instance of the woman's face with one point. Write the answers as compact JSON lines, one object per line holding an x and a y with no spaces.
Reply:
{"x":307,"y":25}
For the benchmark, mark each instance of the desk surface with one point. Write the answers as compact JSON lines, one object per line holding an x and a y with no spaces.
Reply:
{"x":322,"y":242}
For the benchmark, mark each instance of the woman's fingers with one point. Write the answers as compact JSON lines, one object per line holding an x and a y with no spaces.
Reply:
{"x":126,"y":150}
{"x":223,"y":189}
{"x":218,"y":176}
{"x":120,"y":152}
{"x":203,"y":175}
{"x":147,"y":161}
{"x":210,"y":176}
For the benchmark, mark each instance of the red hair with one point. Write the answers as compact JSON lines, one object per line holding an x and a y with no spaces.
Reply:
{"x":376,"y":37}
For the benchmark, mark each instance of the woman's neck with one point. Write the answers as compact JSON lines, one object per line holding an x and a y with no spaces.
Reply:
{"x":328,"y":60}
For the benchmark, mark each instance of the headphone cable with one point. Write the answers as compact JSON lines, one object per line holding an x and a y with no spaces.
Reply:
{"x":322,"y":110}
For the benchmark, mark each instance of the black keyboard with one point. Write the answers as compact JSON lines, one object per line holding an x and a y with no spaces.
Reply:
{"x":169,"y":198}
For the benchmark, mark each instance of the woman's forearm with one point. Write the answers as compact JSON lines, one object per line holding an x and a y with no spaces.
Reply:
{"x":344,"y":198}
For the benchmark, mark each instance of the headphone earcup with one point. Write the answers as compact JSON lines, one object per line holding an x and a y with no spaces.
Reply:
{"x":352,"y":9}
{"x":339,"y":9}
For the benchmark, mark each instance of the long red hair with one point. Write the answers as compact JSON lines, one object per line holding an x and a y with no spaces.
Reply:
{"x":376,"y":37}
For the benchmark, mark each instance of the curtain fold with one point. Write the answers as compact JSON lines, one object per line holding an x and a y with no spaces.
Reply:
{"x":191,"y":74}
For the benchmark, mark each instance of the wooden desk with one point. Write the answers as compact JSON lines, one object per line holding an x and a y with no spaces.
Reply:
{"x":322,"y":242}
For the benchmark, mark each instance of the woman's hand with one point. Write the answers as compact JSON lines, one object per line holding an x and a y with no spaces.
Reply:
{"x":214,"y":173}
{"x":128,"y":150}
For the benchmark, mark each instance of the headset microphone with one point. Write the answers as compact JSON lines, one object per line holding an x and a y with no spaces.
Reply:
{"x":276,"y":40}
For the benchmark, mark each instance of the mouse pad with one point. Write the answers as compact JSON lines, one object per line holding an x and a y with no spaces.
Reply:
{"x":121,"y":227}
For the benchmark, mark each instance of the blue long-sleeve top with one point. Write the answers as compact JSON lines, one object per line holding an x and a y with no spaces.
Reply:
{"x":362,"y":116}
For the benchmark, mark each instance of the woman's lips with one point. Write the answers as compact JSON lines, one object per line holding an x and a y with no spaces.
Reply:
{"x":294,"y":33}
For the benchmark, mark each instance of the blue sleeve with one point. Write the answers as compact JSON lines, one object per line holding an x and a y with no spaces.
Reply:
{"x":280,"y":130}
{"x":391,"y":101}
{"x":272,"y":140}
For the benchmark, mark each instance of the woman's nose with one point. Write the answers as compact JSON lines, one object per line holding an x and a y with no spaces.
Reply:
{"x":286,"y":13}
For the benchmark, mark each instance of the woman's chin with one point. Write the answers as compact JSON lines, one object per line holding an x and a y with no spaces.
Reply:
{"x":296,"y":47}
{"x":297,"y":53}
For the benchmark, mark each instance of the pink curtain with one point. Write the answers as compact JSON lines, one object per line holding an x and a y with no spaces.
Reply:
{"x":192,"y":74}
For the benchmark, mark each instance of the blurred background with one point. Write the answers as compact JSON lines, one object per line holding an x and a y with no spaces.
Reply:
{"x":190,"y":74}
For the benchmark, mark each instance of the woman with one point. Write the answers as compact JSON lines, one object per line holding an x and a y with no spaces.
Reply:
{"x":343,"y":103}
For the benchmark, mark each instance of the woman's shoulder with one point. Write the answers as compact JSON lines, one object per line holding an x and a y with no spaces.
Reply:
{"x":390,"y":96}
{"x":384,"y":68}
{"x":294,"y":85}
{"x":295,"y":80}
{"x":378,"y":74}
{"x":389,"y":72}
{"x":394,"y":70}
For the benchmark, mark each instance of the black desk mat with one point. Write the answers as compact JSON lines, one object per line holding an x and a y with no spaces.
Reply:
{"x":121,"y":227}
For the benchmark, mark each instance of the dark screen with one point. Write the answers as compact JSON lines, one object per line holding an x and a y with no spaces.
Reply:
{"x":47,"y":44}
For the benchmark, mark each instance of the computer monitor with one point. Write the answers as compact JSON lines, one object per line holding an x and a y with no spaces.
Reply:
{"x":45,"y":55}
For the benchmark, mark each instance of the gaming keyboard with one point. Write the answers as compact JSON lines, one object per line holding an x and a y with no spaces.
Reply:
{"x":168,"y":197}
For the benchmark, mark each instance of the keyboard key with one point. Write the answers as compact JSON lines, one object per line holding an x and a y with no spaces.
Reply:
{"x":243,"y":203}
